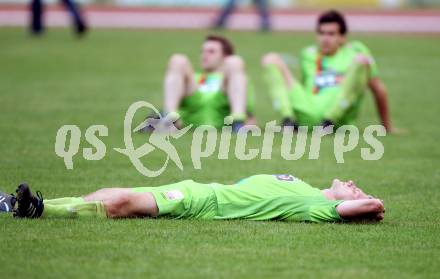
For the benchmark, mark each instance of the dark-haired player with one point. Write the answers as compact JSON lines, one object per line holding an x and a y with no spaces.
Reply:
{"x":218,"y":90}
{"x":259,"y":197}
{"x":335,"y":75}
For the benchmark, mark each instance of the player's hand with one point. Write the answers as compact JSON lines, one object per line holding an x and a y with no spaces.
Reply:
{"x":379,"y":216}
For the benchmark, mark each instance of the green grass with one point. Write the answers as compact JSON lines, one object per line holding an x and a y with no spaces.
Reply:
{"x":56,"y":80}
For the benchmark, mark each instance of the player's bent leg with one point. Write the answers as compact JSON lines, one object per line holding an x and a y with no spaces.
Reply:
{"x":353,"y":86}
{"x":130,"y":204}
{"x":279,"y":81}
{"x":274,"y":59}
{"x":178,"y":81}
{"x":236,"y":86}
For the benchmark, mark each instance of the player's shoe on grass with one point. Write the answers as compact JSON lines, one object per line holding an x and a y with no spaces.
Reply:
{"x":237,"y":125}
{"x":327,"y":125}
{"x":7,"y":202}
{"x":287,"y":122}
{"x":29,"y":206}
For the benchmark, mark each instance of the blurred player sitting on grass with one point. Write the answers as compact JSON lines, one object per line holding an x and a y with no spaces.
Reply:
{"x":335,"y":75}
{"x":220,"y":89}
{"x":259,"y":197}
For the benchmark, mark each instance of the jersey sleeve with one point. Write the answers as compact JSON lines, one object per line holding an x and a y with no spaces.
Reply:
{"x":324,"y":212}
{"x":363,"y":49}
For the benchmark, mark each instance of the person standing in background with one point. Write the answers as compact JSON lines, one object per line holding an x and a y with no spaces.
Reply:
{"x":261,"y":5}
{"x":37,"y":7}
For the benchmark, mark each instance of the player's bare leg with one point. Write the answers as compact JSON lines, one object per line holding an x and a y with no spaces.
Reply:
{"x":104,"y":203}
{"x":275,"y":59}
{"x":178,"y":82}
{"x":105,"y":193}
{"x":236,"y":86}
{"x":123,"y":202}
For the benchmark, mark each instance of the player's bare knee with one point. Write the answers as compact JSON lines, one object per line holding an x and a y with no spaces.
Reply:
{"x":118,"y":207}
{"x":234,"y":63}
{"x":271,"y":58}
{"x":95,"y":195}
{"x":177,"y":62}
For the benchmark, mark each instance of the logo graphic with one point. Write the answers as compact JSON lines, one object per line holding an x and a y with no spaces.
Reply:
{"x":163,"y":130}
{"x":206,"y":140}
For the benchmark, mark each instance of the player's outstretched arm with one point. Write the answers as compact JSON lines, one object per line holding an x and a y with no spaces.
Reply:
{"x":380,"y":95}
{"x":363,"y":209}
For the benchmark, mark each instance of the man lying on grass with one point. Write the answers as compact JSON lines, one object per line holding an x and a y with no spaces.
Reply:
{"x":259,"y":197}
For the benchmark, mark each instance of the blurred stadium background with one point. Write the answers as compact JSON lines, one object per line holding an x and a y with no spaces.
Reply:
{"x":297,"y":15}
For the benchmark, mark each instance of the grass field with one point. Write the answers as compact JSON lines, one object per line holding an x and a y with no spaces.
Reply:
{"x":56,"y":80}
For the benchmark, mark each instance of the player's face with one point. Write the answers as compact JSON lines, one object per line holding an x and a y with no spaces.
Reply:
{"x":347,"y":190}
{"x":211,"y":57}
{"x":329,"y":38}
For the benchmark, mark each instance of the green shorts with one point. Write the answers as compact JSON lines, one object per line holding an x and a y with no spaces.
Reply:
{"x":211,"y":109}
{"x":204,"y":109}
{"x":184,"y":200}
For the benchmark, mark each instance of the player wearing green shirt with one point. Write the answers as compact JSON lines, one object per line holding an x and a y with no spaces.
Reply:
{"x":335,"y":75}
{"x":259,"y":197}
{"x":220,"y":89}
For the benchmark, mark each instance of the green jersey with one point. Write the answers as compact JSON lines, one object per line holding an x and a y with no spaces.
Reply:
{"x":322,"y":76}
{"x":259,"y":197}
{"x":208,"y":105}
{"x":274,"y":197}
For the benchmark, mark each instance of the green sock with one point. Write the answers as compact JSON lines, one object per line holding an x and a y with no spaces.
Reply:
{"x":278,"y":91}
{"x":239,"y":116}
{"x":64,"y":201}
{"x":75,"y":209}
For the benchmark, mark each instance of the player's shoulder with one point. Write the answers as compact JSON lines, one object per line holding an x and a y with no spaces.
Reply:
{"x":357,"y":46}
{"x":309,"y":52}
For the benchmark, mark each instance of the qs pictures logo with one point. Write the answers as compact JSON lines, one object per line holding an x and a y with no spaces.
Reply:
{"x":205,"y":143}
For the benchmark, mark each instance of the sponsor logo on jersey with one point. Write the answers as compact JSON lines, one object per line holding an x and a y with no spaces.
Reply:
{"x":328,"y":78}
{"x":210,"y":85}
{"x":285,"y":177}
{"x":173,"y":195}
